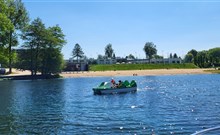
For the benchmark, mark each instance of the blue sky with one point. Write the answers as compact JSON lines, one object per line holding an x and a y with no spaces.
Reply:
{"x":173,"y":26}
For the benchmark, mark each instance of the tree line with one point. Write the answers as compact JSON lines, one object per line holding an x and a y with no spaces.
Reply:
{"x":41,"y":51}
{"x":205,"y":58}
{"x":149,"y":49}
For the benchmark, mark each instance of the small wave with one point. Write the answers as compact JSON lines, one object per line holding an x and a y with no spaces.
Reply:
{"x":133,"y":106}
{"x":136,"y":106}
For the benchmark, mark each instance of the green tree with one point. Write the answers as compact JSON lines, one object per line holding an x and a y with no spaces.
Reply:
{"x":194,"y":58}
{"x":34,"y":37}
{"x":193,"y":52}
{"x":77,"y":52}
{"x":157,"y":56}
{"x":202,"y":59}
{"x":191,"y":57}
{"x":54,"y":62}
{"x":19,"y":18}
{"x":23,"y":59}
{"x":5,"y":27}
{"x":100,"y":56}
{"x":171,"y":55}
{"x":109,"y":51}
{"x":51,"y":57}
{"x":5,"y":23}
{"x":175,"y":55}
{"x":43,"y":48}
{"x":130,"y":56}
{"x":113,"y":56}
{"x":214,"y":55}
{"x":3,"y":56}
{"x":4,"y":49}
{"x":188,"y":58}
{"x":150,"y":50}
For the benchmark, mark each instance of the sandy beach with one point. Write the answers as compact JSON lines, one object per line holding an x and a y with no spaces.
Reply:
{"x":134,"y":72}
{"x":121,"y":73}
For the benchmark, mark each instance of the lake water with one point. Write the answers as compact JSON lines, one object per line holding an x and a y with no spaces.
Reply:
{"x":180,"y":104}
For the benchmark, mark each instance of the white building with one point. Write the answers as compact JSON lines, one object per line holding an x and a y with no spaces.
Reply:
{"x":106,"y":61}
{"x":74,"y":65}
{"x":165,"y":60}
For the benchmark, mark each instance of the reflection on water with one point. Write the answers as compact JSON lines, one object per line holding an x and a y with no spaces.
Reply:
{"x":28,"y":104}
{"x":179,"y":104}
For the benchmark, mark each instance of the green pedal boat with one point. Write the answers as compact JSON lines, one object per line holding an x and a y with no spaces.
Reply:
{"x":108,"y":88}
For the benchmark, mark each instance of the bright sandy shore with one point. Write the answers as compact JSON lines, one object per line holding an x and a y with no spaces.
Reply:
{"x":135,"y":72}
{"x":122,"y":73}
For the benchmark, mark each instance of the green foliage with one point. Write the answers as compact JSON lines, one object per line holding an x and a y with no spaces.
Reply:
{"x":113,"y":56}
{"x":51,"y":57}
{"x":139,"y":66}
{"x":100,"y":56}
{"x":3,"y":57}
{"x":130,"y":56}
{"x":175,"y":55}
{"x":193,"y":52}
{"x":188,"y":58}
{"x":77,"y":51}
{"x":34,"y":37}
{"x":214,"y":55}
{"x":157,"y":56}
{"x":171,"y":55}
{"x":191,"y":56}
{"x":150,"y":50}
{"x":204,"y":59}
{"x":52,"y":62}
{"x":17,"y":14}
{"x":23,"y":59}
{"x":109,"y":51}
{"x":5,"y":23}
{"x":55,"y":37}
{"x":13,"y":16}
{"x":42,"y":48}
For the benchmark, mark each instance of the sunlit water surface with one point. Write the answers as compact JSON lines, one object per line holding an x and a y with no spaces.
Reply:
{"x":181,"y":104}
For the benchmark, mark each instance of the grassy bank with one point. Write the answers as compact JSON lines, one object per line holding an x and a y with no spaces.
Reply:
{"x":116,"y":67}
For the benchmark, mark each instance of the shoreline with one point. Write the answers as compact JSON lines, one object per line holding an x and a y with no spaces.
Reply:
{"x":152,"y":72}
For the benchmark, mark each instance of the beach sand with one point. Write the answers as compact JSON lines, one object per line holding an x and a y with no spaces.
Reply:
{"x":152,"y":72}
{"x":134,"y":72}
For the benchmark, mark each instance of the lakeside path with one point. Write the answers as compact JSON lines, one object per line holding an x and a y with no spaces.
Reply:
{"x":152,"y":72}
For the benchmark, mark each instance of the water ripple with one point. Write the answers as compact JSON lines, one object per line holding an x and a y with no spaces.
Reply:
{"x":181,"y":104}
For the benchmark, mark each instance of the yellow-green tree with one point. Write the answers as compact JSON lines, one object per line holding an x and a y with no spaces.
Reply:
{"x":18,"y":16}
{"x":5,"y":27}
